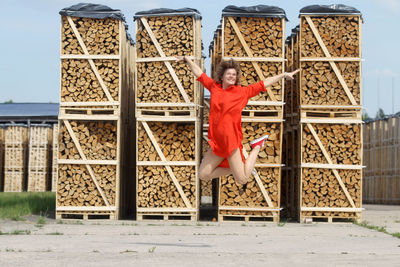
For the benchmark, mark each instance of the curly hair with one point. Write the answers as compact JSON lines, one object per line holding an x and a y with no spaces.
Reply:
{"x":223,"y":66}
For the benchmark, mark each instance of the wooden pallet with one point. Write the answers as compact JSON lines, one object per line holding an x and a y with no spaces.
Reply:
{"x":247,"y":218}
{"x":85,"y":216}
{"x":330,"y":219}
{"x":159,"y":216}
{"x":88,"y":111}
{"x":156,"y":113}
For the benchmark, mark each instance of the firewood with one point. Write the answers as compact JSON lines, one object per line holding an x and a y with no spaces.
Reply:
{"x":101,"y":36}
{"x":262,"y":35}
{"x":320,"y":85}
{"x":80,"y":84}
{"x":340,"y":35}
{"x":98,"y":140}
{"x":157,"y":190}
{"x":176,"y":141}
{"x":77,"y":188}
{"x":342,"y":142}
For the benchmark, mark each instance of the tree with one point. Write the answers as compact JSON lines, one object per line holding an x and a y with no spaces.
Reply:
{"x":365,"y":116}
{"x":380,"y":114}
{"x":8,"y":102}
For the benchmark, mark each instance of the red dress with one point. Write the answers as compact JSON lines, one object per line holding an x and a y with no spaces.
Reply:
{"x":225,"y":119}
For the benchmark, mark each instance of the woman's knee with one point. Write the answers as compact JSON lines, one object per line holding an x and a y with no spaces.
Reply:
{"x":204,"y":175}
{"x":241,"y":179}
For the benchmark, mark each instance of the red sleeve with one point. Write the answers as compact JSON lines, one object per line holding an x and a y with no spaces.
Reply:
{"x":254,"y":89}
{"x":206,"y":81}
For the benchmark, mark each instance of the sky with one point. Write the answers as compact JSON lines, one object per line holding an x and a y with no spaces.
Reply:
{"x":30,"y":43}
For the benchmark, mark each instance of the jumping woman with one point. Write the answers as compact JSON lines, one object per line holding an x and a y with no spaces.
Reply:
{"x":228,"y":99}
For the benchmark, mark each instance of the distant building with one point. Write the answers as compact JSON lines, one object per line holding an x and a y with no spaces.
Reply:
{"x":29,"y":113}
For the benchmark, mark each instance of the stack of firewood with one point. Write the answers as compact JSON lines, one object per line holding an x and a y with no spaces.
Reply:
{"x":167,"y":117}
{"x":256,"y":41}
{"x":325,"y":119}
{"x":95,"y":91}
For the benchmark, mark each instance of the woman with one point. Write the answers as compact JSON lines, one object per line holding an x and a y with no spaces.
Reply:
{"x":225,"y":133}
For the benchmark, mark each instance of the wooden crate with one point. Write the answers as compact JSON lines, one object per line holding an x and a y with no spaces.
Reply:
{"x":15,"y":158}
{"x":89,"y":166}
{"x":167,"y":158}
{"x":2,"y":132}
{"x":39,"y":159}
{"x":331,"y":170}
{"x":257,"y":42}
{"x":54,"y":165}
{"x":330,"y":60}
{"x":260,"y":200}
{"x":381,"y":184}
{"x":160,"y":81}
{"x":94,"y":66}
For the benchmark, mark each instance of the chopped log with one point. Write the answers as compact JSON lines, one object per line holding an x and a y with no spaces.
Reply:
{"x":98,"y":140}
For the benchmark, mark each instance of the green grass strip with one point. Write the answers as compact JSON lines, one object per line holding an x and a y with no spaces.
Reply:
{"x":15,"y":205}
{"x":377,"y":228}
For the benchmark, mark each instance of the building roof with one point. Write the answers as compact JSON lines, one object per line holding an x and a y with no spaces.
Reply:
{"x":37,"y":112}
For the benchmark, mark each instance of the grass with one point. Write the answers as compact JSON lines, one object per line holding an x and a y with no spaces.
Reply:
{"x":377,"y":228}
{"x":17,"y":232}
{"x":55,"y":233}
{"x":152,"y":249}
{"x":15,"y":205}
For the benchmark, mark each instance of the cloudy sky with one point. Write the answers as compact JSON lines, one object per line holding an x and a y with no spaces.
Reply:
{"x":30,"y":43}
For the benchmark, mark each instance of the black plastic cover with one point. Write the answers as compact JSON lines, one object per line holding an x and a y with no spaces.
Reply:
{"x":94,"y":11}
{"x":329,"y":9}
{"x":254,"y":11}
{"x":168,"y":12}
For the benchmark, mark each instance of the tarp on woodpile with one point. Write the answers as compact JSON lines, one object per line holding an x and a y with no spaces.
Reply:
{"x":254,"y":11}
{"x":168,"y":12}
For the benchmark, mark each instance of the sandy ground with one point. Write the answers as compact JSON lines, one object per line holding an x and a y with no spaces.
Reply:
{"x":130,"y":243}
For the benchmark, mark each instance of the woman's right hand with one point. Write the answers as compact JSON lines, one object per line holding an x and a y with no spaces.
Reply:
{"x":180,"y":58}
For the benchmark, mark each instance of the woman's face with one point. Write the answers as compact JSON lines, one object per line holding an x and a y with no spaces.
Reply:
{"x":229,"y":78}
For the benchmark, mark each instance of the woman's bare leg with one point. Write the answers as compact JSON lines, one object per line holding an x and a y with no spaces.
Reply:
{"x":209,"y":166}
{"x":251,"y":161}
{"x":241,"y":172}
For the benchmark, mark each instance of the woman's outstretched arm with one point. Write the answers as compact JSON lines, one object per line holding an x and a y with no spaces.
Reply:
{"x":197,"y":71}
{"x":271,"y":80}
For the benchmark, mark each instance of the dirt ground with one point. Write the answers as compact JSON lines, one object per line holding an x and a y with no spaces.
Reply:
{"x":131,"y":243}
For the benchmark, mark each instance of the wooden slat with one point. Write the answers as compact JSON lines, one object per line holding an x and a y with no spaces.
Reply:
{"x":166,"y":163}
{"x":335,"y":172}
{"x":247,"y":209}
{"x":89,"y":57}
{"x":331,"y":209}
{"x":166,"y":210}
{"x":169,"y":169}
{"x":250,"y":54}
{"x":168,"y":64}
{"x":333,"y":64}
{"x":90,"y":162}
{"x":83,"y":208}
{"x":258,"y":59}
{"x":332,"y":166}
{"x":91,"y":62}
